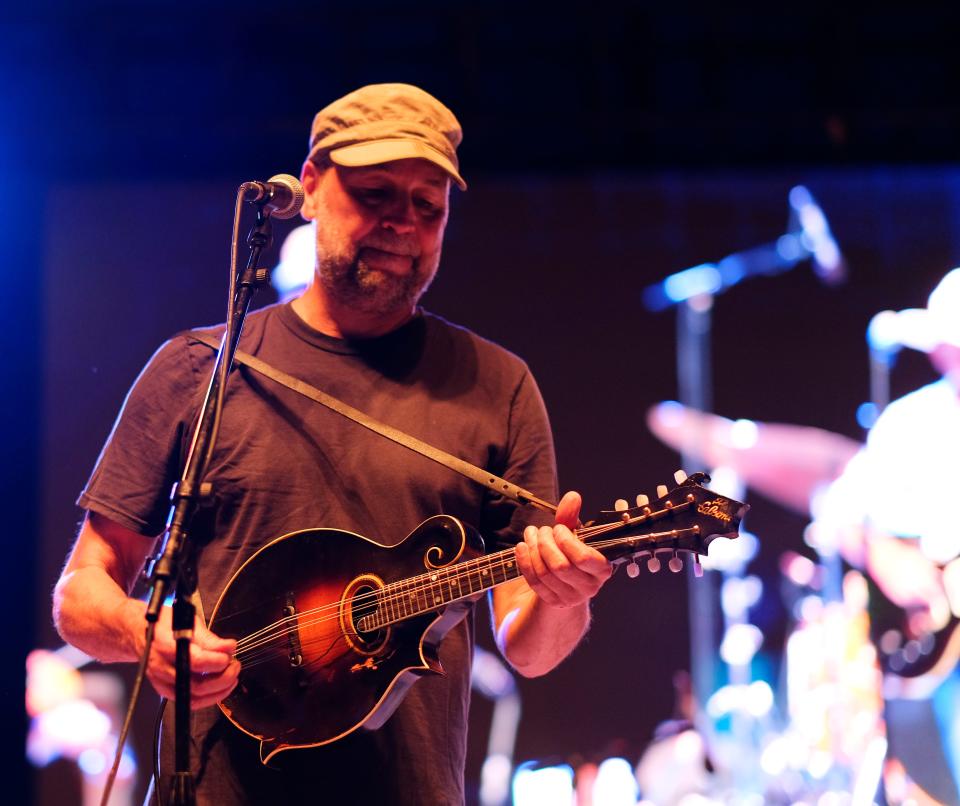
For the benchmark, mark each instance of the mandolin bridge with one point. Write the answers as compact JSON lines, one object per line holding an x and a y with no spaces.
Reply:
{"x":295,"y":653}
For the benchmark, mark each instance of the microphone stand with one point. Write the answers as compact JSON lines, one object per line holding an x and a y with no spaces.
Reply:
{"x":693,"y":291}
{"x":807,"y":236}
{"x":176,"y":562}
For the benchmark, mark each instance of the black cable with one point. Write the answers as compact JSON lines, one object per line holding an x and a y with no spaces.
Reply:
{"x":158,"y":724}
{"x":128,"y":719}
{"x":229,"y":330}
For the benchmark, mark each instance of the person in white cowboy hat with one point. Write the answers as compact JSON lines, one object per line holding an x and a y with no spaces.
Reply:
{"x":893,"y":513}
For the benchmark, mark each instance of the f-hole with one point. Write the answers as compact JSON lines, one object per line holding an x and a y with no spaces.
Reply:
{"x":360,"y":599}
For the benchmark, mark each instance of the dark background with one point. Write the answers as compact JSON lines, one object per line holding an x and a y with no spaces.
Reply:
{"x":605,"y":147}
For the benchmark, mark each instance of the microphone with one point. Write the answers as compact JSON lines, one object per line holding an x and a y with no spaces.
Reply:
{"x":885,"y":333}
{"x":888,"y":331}
{"x":282,"y":195}
{"x":815,"y":236}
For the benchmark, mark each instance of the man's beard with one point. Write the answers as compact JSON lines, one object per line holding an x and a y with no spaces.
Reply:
{"x":350,"y":281}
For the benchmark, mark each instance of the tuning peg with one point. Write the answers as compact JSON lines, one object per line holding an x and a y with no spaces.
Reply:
{"x":675,"y":564}
{"x":662,"y":490}
{"x":680,"y":477}
{"x":653,"y":564}
{"x":633,"y":570}
{"x":642,"y":500}
{"x":621,"y":504}
{"x":697,"y":567}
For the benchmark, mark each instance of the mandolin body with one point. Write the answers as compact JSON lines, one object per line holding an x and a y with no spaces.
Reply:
{"x":308,"y":675}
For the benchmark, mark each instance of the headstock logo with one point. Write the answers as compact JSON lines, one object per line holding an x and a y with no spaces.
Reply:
{"x":715,"y":509}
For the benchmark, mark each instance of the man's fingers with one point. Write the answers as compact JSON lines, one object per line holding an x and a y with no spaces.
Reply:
{"x":209,"y":652}
{"x":205,"y":689}
{"x":579,"y":554}
{"x":534,"y":569}
{"x":568,"y":510}
{"x":217,"y":686}
{"x":203,"y":660}
{"x":550,"y":573}
{"x":204,"y":638}
{"x":206,"y":660}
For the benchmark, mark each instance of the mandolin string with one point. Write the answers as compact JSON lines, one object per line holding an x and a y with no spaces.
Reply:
{"x":396,"y":592}
{"x":424,"y":579}
{"x":416,"y":584}
{"x":412,"y":583}
{"x":392,"y":594}
{"x":266,"y":649}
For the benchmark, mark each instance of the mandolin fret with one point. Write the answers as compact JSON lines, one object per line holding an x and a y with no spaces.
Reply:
{"x":411,"y":597}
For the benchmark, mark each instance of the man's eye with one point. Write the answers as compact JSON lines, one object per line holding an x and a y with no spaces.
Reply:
{"x":428,"y":207}
{"x":371,"y":195}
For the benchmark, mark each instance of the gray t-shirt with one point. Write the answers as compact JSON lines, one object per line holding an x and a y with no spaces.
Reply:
{"x":284,"y":463}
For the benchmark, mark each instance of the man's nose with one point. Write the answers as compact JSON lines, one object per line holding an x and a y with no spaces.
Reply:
{"x":399,"y":217}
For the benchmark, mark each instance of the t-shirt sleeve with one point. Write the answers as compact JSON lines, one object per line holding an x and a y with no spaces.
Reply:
{"x":141,"y":459}
{"x":530,"y":463}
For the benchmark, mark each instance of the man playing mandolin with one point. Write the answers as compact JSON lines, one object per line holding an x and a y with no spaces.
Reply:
{"x":377,"y":182}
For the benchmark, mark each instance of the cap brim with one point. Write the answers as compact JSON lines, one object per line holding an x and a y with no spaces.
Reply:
{"x":375,"y":152}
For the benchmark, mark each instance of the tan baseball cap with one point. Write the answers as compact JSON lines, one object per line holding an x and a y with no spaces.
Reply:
{"x":386,"y":122}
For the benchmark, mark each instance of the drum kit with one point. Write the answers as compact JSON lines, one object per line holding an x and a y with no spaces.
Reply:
{"x":829,"y":737}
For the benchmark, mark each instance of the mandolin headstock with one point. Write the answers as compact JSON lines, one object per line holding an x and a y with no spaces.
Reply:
{"x":682,"y":520}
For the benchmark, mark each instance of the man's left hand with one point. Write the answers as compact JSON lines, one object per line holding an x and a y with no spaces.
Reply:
{"x":562,"y":570}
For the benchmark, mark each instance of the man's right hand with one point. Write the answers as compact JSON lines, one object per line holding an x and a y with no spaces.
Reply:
{"x":94,"y":612}
{"x":213,"y":669}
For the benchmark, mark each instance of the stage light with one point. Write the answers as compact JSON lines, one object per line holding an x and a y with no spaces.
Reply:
{"x":744,"y":434}
{"x":66,"y":730}
{"x":615,"y":784}
{"x":731,"y":556}
{"x":775,"y":757}
{"x":543,"y":786}
{"x":740,"y":643}
{"x":754,"y":699}
{"x":297,"y":260}
{"x":867,"y":414}
{"x":92,"y":761}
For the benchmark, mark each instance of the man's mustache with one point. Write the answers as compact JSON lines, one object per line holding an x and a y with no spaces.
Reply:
{"x":393,"y":244}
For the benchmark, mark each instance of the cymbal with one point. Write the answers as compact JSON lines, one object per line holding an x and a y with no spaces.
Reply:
{"x":785,"y":463}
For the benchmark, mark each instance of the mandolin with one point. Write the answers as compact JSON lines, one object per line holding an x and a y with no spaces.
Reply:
{"x":332,"y":628}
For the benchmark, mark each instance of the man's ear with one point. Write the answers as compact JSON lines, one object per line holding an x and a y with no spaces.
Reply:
{"x":310,"y":176}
